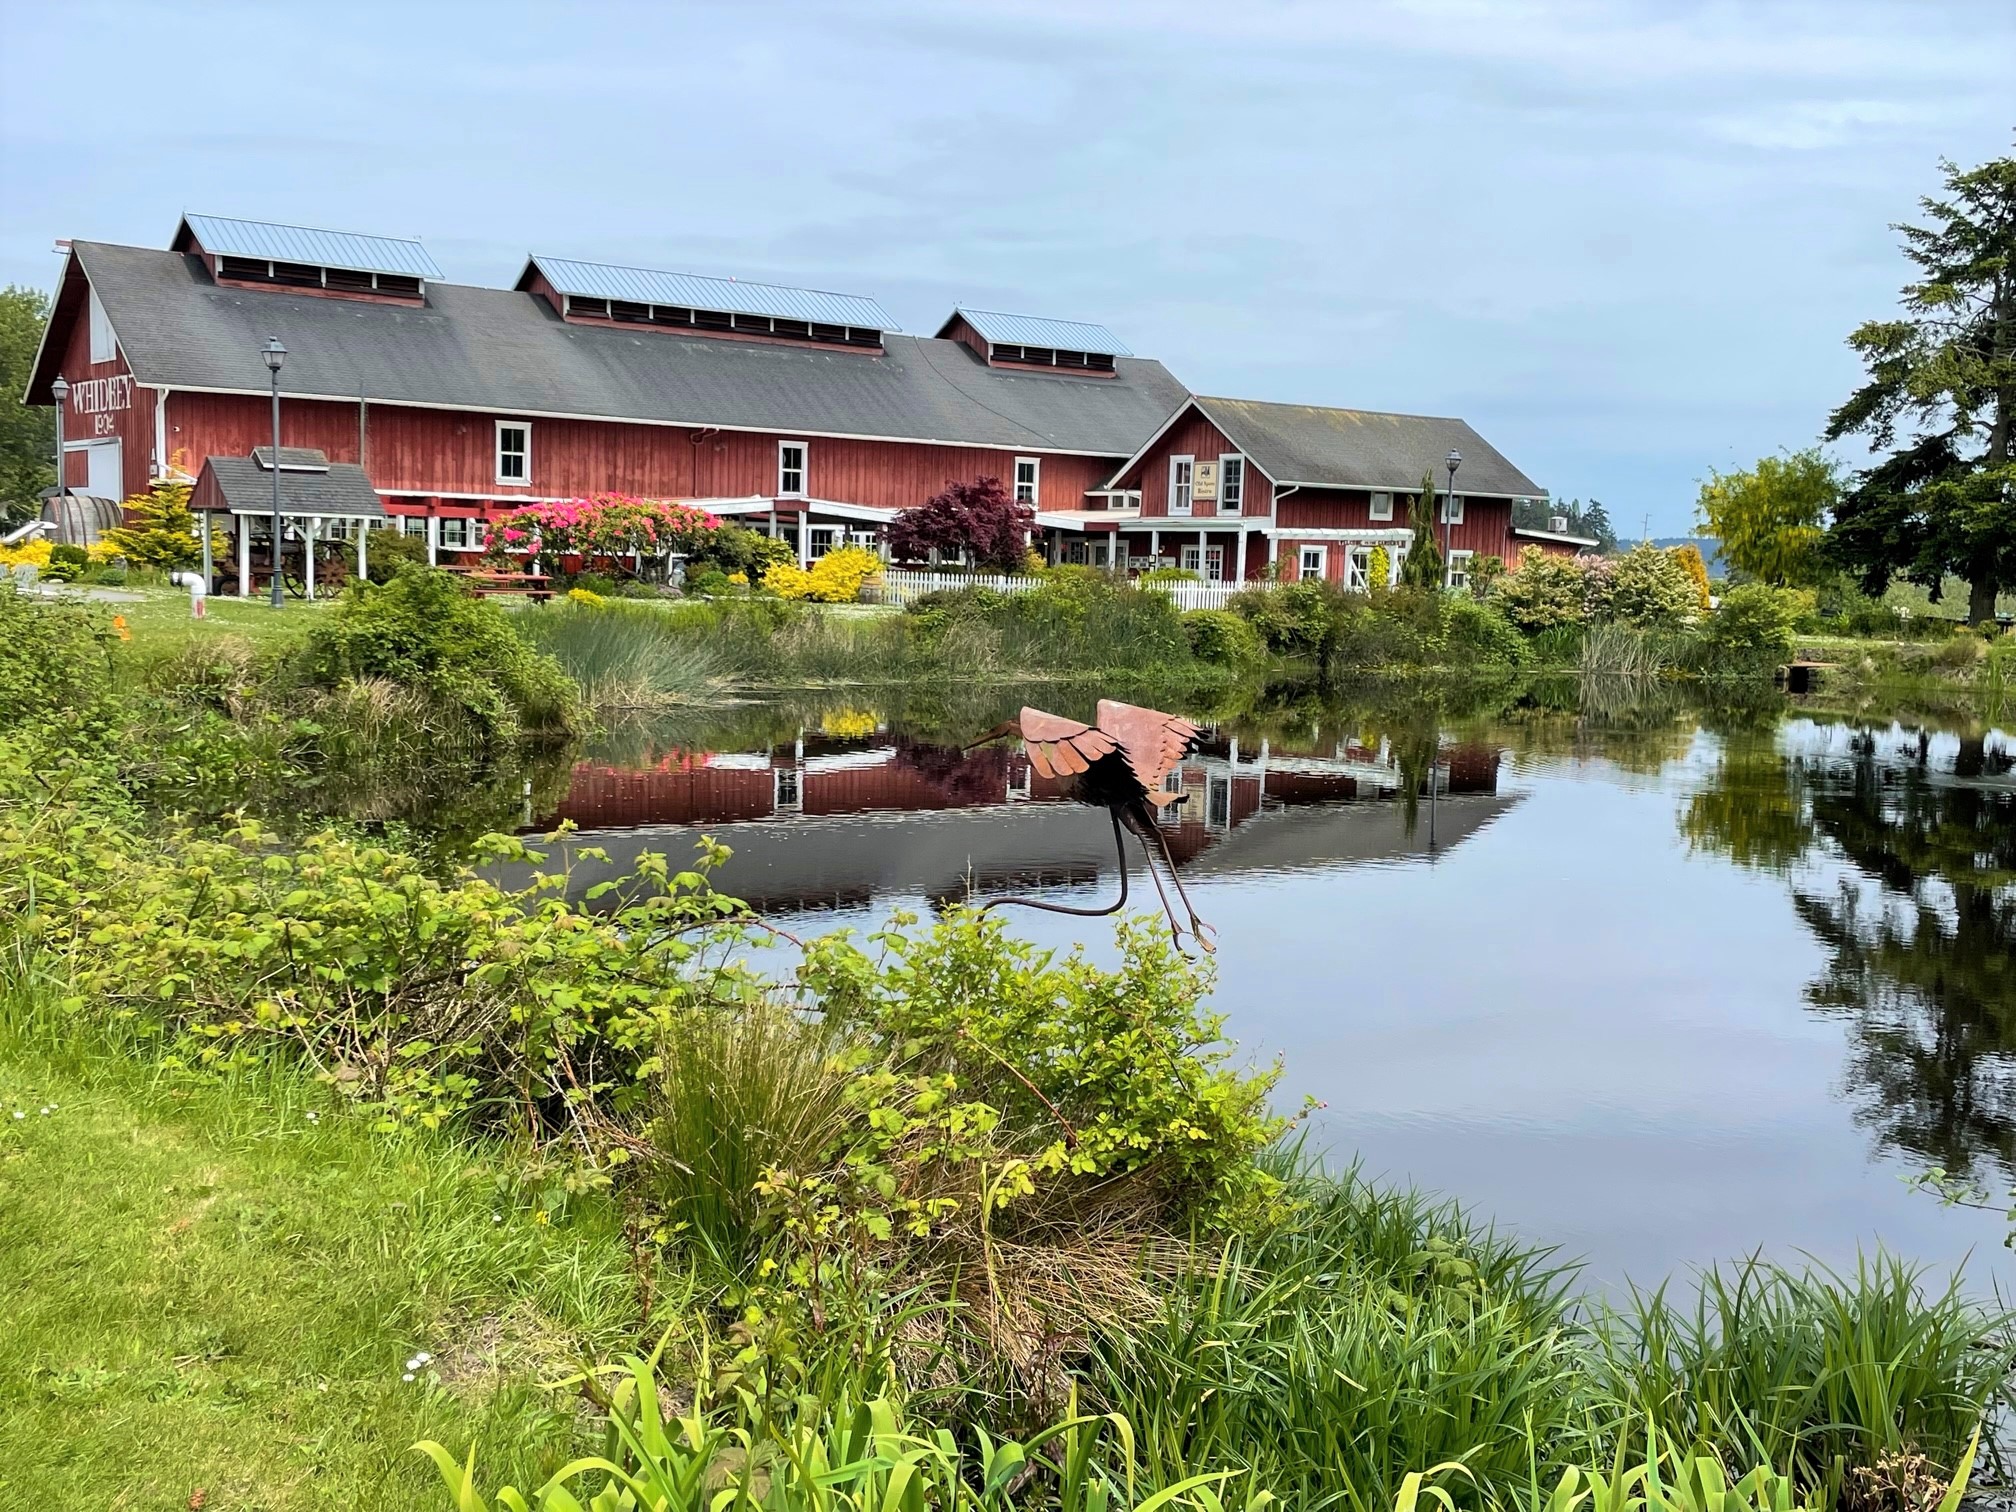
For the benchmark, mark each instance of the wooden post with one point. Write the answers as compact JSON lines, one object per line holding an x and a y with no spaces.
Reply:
{"x":209,"y":566}
{"x":433,"y":539}
{"x":1239,"y":573}
{"x":308,"y":534}
{"x":363,"y":535}
{"x":243,"y":525}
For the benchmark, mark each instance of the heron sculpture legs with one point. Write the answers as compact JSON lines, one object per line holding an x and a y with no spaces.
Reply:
{"x":1119,"y":903}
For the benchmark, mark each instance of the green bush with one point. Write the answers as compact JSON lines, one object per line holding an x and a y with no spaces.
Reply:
{"x":1293,"y":619}
{"x":1650,"y":587}
{"x":1546,"y":592}
{"x":1223,"y":639}
{"x":388,"y":550}
{"x":1759,"y":622}
{"x":1170,"y":575}
{"x":55,"y":657}
{"x":1476,"y":634}
{"x":68,"y":563}
{"x":425,"y":630}
{"x":623,"y":657}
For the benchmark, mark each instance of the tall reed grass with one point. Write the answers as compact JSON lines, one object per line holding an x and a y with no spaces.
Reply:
{"x":626,"y":657}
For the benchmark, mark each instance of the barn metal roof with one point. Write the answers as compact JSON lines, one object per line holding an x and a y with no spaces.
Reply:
{"x":225,"y":237}
{"x":508,"y":353}
{"x":1035,"y":330}
{"x":696,"y":291}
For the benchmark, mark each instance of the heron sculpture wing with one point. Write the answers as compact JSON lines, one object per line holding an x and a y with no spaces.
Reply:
{"x":1060,"y":747}
{"x":1153,"y":742}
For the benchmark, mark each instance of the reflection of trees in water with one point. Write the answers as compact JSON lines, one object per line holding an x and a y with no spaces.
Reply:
{"x":1921,"y":945}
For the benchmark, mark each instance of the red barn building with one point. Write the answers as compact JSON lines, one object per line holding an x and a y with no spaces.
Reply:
{"x":1230,"y":487}
{"x":794,"y":406}
{"x":803,"y":412}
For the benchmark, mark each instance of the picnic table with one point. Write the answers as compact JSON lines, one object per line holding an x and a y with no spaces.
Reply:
{"x":533,"y":585}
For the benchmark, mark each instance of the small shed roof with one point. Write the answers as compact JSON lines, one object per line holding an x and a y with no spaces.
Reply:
{"x":224,"y":237}
{"x":695,"y":291}
{"x":1039,"y":331}
{"x":308,"y":488}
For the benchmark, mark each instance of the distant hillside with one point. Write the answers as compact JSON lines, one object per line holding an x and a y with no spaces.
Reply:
{"x":1711,"y":550}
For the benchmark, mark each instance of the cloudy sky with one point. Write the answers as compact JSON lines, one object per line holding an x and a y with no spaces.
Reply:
{"x":1624,"y":240}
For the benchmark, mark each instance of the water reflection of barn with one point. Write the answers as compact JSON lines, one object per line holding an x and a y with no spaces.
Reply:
{"x":833,"y":821}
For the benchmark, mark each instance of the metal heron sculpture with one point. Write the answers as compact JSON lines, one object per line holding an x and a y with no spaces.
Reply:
{"x":1117,"y":764}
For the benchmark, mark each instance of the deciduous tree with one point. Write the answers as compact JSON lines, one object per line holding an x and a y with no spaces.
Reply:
{"x":1941,"y":399}
{"x":978,"y":518}
{"x":1772,"y":518}
{"x":27,"y":432}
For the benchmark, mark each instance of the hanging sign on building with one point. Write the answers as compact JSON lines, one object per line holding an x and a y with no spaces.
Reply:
{"x":1204,"y":482}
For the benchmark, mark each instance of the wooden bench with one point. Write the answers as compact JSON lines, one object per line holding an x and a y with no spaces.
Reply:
{"x":536,"y":587}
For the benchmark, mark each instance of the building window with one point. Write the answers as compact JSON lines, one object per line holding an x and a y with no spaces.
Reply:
{"x":1312,"y":562}
{"x":104,"y":346}
{"x":1452,"y":509}
{"x":413,"y":525}
{"x":1459,"y":568}
{"x":459,"y":533}
{"x":1382,"y":506}
{"x":1218,"y":803}
{"x":787,"y":791}
{"x":791,"y":469}
{"x":1179,"y":484}
{"x":514,"y":452}
{"x":821,"y":539}
{"x":1358,"y":569}
{"x":1025,"y":479}
{"x":1231,"y":484}
{"x":340,"y":530}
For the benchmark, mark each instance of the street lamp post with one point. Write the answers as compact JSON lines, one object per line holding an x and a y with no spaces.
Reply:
{"x":275,"y":354}
{"x":60,"y":391}
{"x":1452,"y":462}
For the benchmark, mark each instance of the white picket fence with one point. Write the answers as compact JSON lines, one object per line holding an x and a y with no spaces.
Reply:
{"x":900,"y":585}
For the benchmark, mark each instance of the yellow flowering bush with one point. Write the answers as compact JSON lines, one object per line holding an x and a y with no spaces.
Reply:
{"x":836,"y":578}
{"x":848,"y":724}
{"x":33,"y":553}
{"x":587,"y":597}
{"x":739,"y":579}
{"x":98,"y":553}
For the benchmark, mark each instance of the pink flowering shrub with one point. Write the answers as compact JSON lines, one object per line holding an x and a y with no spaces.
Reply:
{"x":607,"y":527}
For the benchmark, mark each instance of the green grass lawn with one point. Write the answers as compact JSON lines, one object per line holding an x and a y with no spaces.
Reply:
{"x":159,"y":618}
{"x":208,"y":1290}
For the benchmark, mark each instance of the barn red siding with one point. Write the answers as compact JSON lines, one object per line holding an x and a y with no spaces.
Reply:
{"x":1192,"y":436}
{"x":444,"y":452}
{"x":105,"y":404}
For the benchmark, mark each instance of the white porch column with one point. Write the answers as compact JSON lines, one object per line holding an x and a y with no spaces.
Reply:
{"x":363,"y":535}
{"x":433,"y":539}
{"x":1273,"y":548}
{"x":1154,"y":549}
{"x":1392,"y":567}
{"x":804,"y":539}
{"x":209,"y":566}
{"x":1239,"y":572}
{"x":244,"y":528}
{"x":308,"y":535}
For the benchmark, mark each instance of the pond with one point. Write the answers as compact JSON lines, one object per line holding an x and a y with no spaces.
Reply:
{"x":1658,"y":986}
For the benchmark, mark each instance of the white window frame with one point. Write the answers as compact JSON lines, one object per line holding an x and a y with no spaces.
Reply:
{"x":1191,"y":559}
{"x":1231,"y":496}
{"x":1382,"y":506}
{"x":1218,"y":801}
{"x":803,"y":469}
{"x":1214,"y":564}
{"x":1457,"y":574}
{"x":1358,"y":569}
{"x":104,"y":342}
{"x":1186,"y":468}
{"x":523,"y":479}
{"x":787,"y":790}
{"x":1035,"y":483}
{"x":473,"y":533}
{"x":820,"y":539}
{"x":1452,"y":509}
{"x":1322,"y":556}
{"x":413,"y":525}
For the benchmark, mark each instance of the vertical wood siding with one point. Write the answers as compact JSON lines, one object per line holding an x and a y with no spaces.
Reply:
{"x":1192,"y":436}
{"x":84,"y":418}
{"x":436,"y":452}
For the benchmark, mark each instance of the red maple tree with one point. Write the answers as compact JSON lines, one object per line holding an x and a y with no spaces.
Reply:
{"x":978,"y":518}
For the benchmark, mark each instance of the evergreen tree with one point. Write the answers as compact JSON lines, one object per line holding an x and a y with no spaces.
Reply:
{"x":163,"y":532}
{"x":1423,"y":567}
{"x":1941,"y":399}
